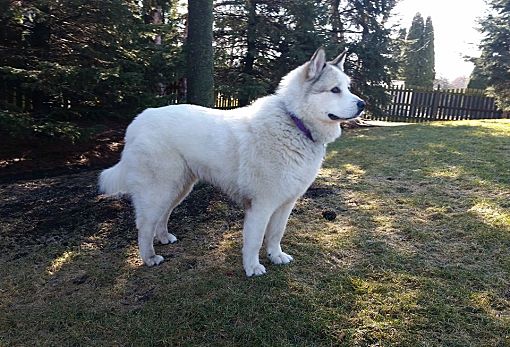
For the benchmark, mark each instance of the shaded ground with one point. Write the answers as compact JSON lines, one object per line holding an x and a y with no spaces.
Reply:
{"x":66,"y":209}
{"x":418,"y":254}
{"x":25,"y":160}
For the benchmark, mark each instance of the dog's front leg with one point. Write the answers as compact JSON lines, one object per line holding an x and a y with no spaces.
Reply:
{"x":274,"y":234}
{"x":255,"y":223}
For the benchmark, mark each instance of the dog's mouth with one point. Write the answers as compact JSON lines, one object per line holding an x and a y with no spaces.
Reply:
{"x":335,"y":117}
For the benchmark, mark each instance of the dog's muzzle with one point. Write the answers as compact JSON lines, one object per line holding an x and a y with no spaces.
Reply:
{"x":361,"y":106}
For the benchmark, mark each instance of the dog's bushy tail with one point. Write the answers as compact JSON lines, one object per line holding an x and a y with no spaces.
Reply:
{"x":111,"y":181}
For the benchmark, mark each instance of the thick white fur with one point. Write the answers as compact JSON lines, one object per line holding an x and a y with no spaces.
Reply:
{"x":255,"y":154}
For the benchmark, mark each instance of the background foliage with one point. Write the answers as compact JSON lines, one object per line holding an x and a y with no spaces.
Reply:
{"x":259,"y":41}
{"x":65,"y":65}
{"x":492,"y":69}
{"x":63,"y":62}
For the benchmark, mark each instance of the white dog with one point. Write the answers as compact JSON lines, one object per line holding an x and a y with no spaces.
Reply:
{"x":264,"y":156}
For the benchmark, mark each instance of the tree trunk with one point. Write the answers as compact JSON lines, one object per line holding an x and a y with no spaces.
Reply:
{"x":200,"y":82}
{"x":251,"y":53}
{"x":337,"y":30}
{"x":157,"y":20}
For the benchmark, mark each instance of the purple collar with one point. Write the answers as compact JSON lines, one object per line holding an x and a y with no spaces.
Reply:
{"x":301,"y":126}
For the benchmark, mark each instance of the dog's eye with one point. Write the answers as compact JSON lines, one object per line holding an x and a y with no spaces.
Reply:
{"x":335,"y":90}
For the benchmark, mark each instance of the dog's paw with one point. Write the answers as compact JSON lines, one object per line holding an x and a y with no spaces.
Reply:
{"x":166,"y":238}
{"x":280,"y":258}
{"x":154,"y":260}
{"x":255,"y":270}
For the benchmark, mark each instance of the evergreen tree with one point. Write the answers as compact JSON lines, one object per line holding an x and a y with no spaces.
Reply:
{"x":398,"y":54}
{"x":418,"y":69}
{"x":262,"y":40}
{"x":200,"y":53}
{"x":429,"y":67}
{"x":161,"y":37}
{"x":78,"y":59}
{"x":494,"y":63}
{"x":371,"y":49}
{"x":414,"y":50}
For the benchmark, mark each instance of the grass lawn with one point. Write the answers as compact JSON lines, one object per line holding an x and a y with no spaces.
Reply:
{"x":418,"y":255}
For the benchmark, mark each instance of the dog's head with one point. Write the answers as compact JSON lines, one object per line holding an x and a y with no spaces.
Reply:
{"x":318,"y":90}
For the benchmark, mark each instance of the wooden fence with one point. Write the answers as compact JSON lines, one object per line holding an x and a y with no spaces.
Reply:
{"x":175,"y":94}
{"x":225,"y":102}
{"x":418,"y":105}
{"x":407,"y":105}
{"x":22,"y":100}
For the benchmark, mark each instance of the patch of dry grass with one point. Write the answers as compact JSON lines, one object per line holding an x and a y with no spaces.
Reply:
{"x":419,"y":254}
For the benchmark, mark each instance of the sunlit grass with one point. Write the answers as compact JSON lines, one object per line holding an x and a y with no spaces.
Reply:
{"x":60,"y":261}
{"x":446,"y":172}
{"x":493,"y":214}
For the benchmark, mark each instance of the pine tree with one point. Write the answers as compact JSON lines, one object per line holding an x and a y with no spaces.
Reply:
{"x":399,"y":51}
{"x":68,"y":51}
{"x":494,"y":63}
{"x":262,"y":40}
{"x":429,"y":67}
{"x":370,"y":49}
{"x":159,"y":36}
{"x":415,"y":53}
{"x":419,"y":62}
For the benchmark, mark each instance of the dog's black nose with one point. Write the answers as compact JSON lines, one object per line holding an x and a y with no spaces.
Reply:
{"x":361,"y":105}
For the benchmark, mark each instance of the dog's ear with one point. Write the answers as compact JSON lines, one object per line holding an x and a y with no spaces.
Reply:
{"x":340,"y":60}
{"x":316,"y":64}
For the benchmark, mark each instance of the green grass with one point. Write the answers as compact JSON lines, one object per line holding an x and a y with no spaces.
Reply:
{"x":419,"y":255}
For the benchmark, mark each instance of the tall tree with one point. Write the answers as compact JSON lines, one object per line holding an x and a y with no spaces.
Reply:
{"x":248,"y":61}
{"x":337,"y":29}
{"x":419,"y":69}
{"x":430,"y":61}
{"x":414,"y":52}
{"x":256,"y":37}
{"x":494,"y":62}
{"x":200,"y":58}
{"x":371,"y":48}
{"x":398,"y":52}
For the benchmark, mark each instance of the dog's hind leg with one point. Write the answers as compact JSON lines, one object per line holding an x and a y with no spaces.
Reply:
{"x":153,"y":200}
{"x":162,"y":233}
{"x":274,"y":234}
{"x":149,"y":208}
